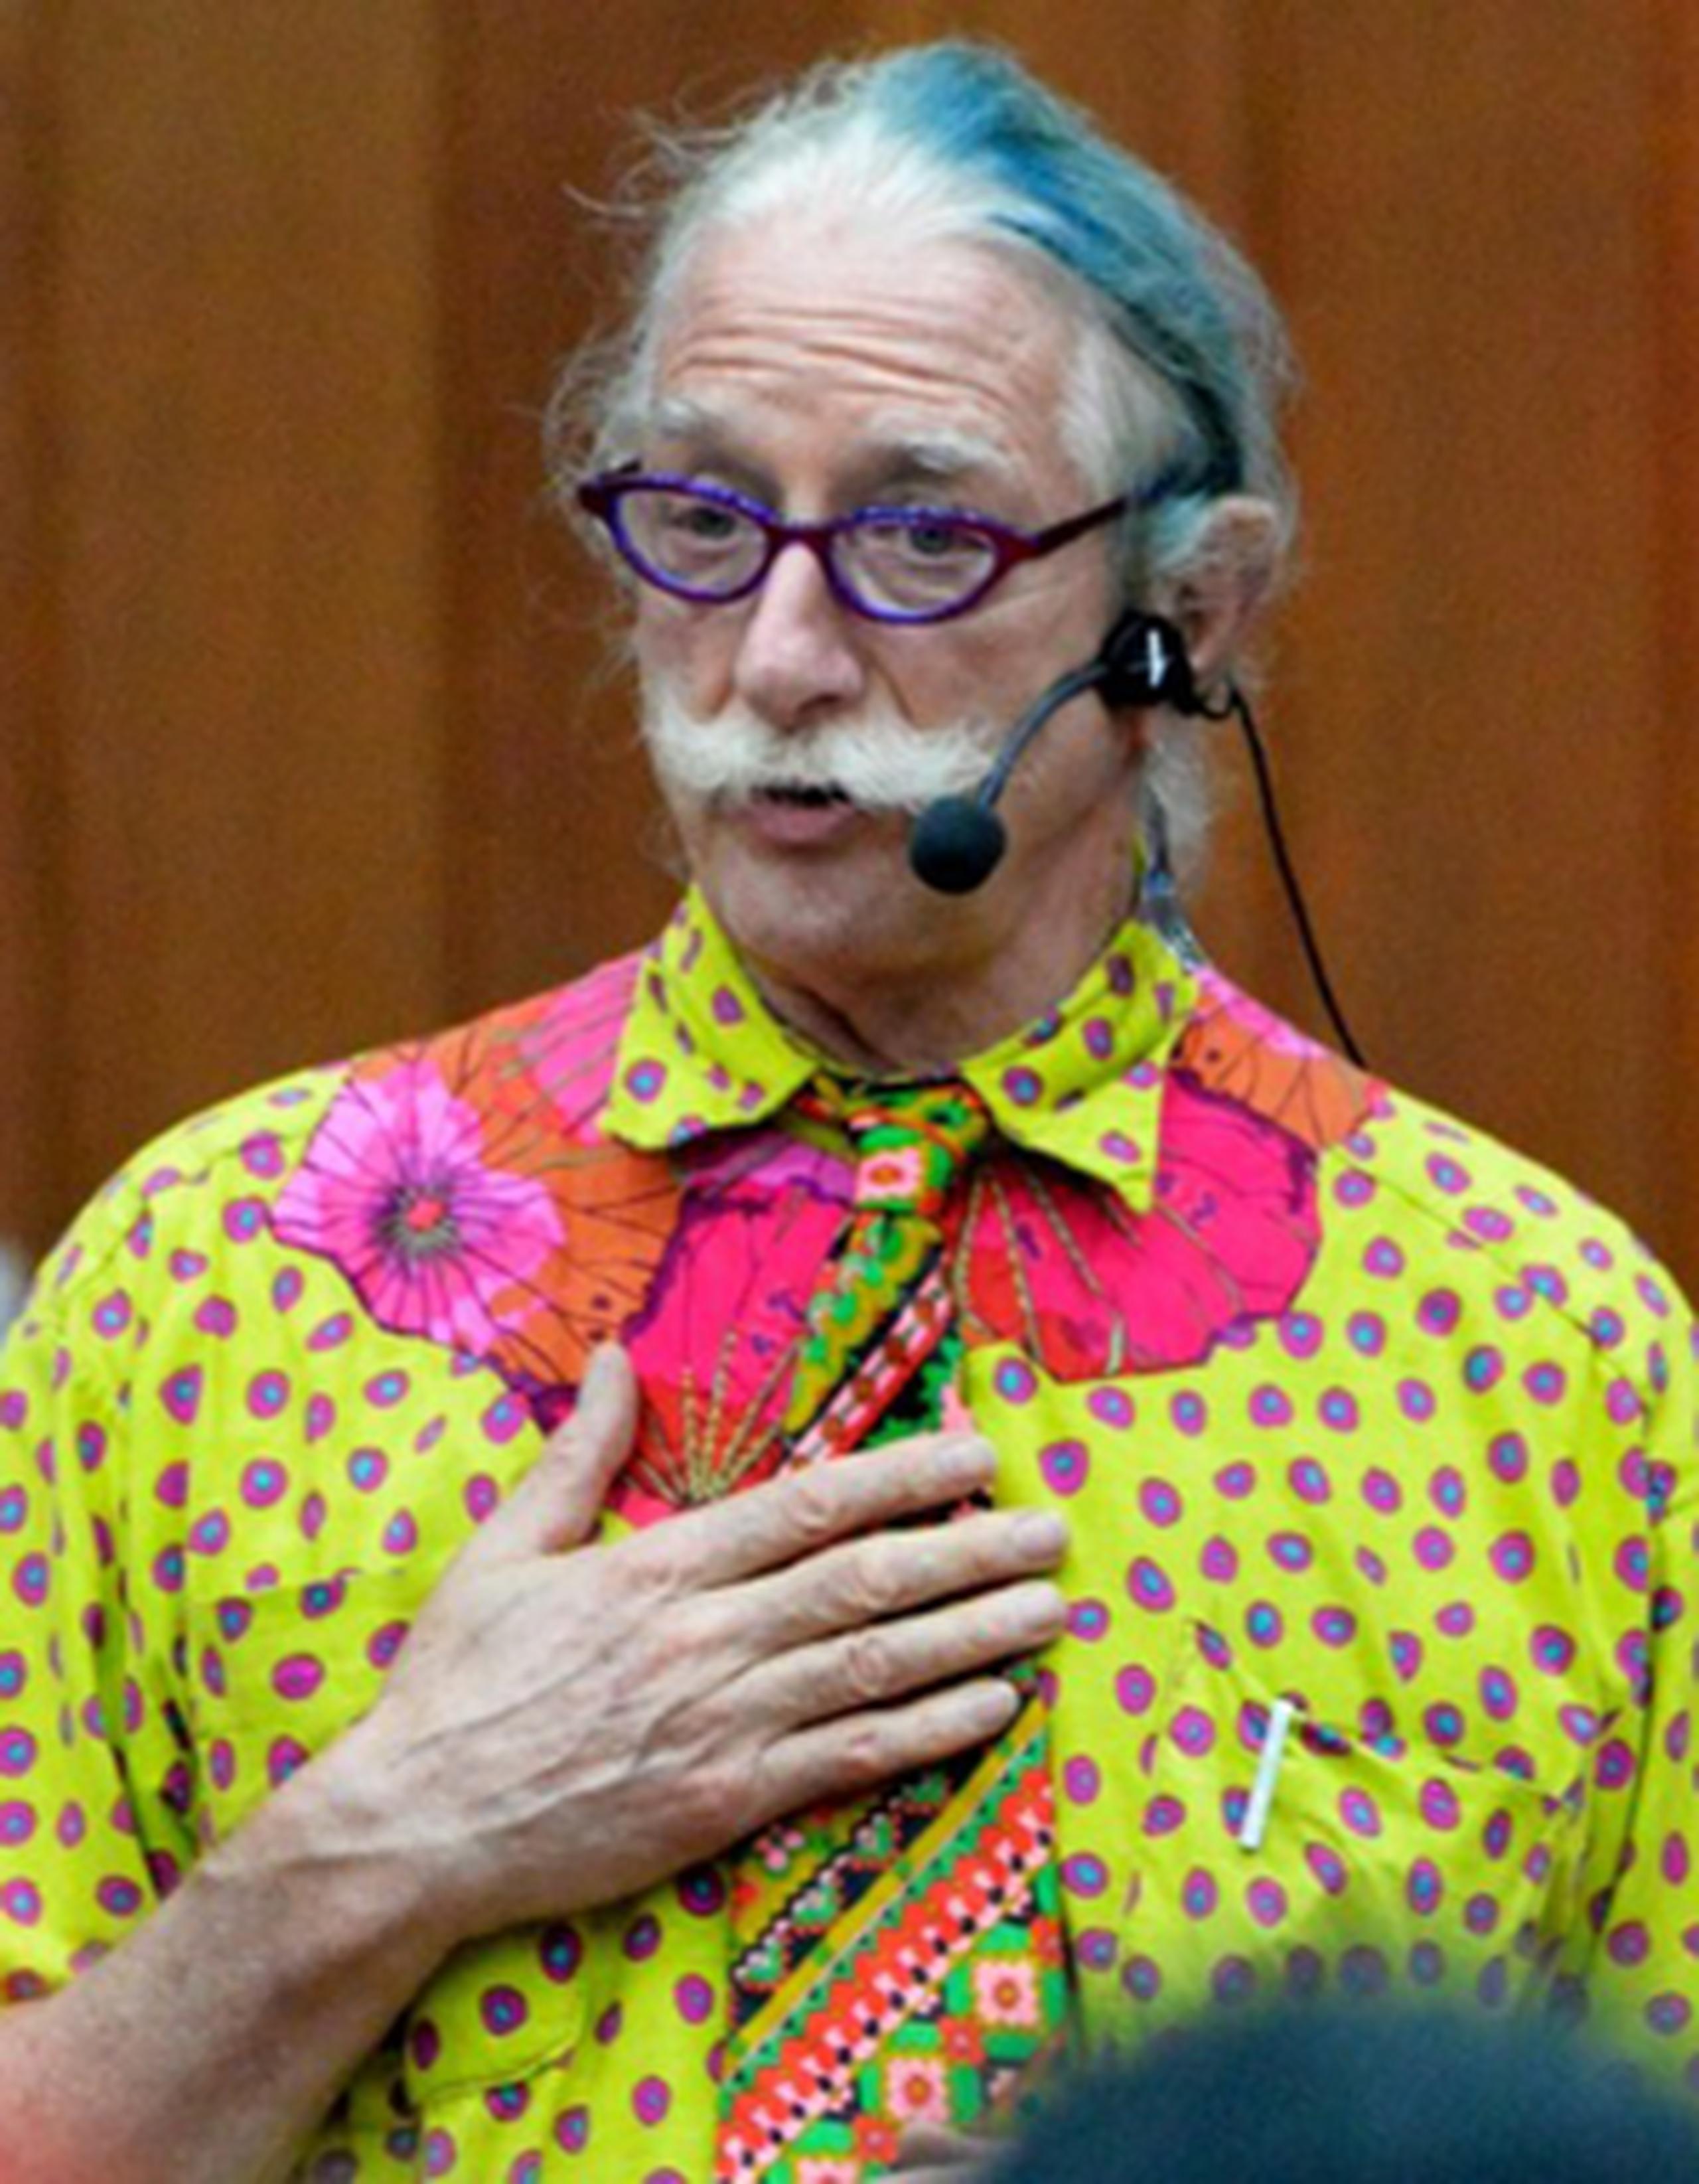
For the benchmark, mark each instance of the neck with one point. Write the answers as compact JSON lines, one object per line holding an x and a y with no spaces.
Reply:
{"x":925,"y":1020}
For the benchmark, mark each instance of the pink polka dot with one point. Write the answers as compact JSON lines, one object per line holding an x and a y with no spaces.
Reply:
{"x":1433,"y":1548}
{"x":298,"y":1676}
{"x":503,"y":2009}
{"x":182,"y":1394}
{"x":263,"y":1483}
{"x":1134,"y":1689}
{"x":1265,"y":1900}
{"x":1438,"y":1804}
{"x":651,"y":2099}
{"x":1065,"y":1465}
{"x":1512,"y":1557}
{"x":1159,"y":1503}
{"x":216,"y":1316}
{"x":1111,"y":1408}
{"x":1193,"y":1731}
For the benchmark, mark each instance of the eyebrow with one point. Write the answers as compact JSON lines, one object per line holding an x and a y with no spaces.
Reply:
{"x":931,"y":451}
{"x":919,"y":449}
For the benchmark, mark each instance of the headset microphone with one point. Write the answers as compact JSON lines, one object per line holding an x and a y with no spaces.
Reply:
{"x":957,"y":842}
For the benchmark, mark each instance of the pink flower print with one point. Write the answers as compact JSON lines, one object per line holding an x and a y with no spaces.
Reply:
{"x":716,"y":1342}
{"x":568,"y":1043}
{"x":396,"y":1189}
{"x":915,"y":2091}
{"x":1089,"y":1287}
{"x":893,"y":1175}
{"x":1006,"y":1991}
{"x":831,"y":2169}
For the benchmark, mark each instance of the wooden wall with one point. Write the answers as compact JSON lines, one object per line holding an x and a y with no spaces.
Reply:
{"x":303,"y":740}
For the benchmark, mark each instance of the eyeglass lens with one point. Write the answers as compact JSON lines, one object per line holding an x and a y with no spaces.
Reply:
{"x":887,"y":561}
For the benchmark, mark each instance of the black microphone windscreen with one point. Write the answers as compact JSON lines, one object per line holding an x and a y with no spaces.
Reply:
{"x":955,"y":844}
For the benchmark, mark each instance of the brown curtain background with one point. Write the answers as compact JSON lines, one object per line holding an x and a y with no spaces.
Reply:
{"x":304,"y":740}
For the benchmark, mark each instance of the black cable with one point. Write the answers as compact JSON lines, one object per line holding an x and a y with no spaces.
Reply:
{"x":1238,"y":704}
{"x":1060,"y":691}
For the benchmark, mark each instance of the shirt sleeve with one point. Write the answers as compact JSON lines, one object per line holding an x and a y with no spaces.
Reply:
{"x":1640,"y":1923}
{"x":95,"y":1779}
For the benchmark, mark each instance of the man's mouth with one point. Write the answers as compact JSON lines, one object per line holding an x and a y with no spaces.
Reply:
{"x":799,"y":815}
{"x":802,"y":797}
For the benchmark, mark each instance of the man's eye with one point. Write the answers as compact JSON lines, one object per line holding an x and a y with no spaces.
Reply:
{"x":933,"y":540}
{"x":937,"y":541}
{"x":699,"y":520}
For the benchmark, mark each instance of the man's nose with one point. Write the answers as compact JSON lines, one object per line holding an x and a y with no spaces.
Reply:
{"x":799,"y":658}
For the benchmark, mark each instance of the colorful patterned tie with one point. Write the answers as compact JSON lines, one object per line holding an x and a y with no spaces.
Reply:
{"x":830,"y":1906}
{"x":912,"y":1143}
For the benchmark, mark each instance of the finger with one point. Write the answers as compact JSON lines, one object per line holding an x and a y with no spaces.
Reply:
{"x":929,"y":2148}
{"x":859,"y":1752}
{"x":777,"y":1524}
{"x":886,"y":1661}
{"x":846,"y":1587}
{"x":560,"y":1498}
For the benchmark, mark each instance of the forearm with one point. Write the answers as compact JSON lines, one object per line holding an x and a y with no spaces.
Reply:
{"x":207,"y":2048}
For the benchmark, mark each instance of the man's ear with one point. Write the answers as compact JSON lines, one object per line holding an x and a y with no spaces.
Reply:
{"x":1213,"y":599}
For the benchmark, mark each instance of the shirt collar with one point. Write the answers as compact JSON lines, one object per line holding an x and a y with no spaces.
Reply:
{"x":702,"y":1052}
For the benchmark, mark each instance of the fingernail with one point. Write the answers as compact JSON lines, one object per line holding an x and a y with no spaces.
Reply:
{"x":1040,"y":1532}
{"x":966,"y":1462}
{"x":992,"y":1705}
{"x":1039,"y":1612}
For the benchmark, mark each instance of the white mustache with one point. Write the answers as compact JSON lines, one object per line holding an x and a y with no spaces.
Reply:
{"x":877,"y":760}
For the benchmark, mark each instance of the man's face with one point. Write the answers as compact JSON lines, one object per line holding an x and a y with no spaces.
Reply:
{"x":819,"y":369}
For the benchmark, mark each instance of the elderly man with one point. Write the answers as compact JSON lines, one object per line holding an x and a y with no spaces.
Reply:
{"x":711,"y":1570}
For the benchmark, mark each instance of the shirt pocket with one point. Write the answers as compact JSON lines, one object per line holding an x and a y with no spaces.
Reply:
{"x":280,"y":1675}
{"x":1372,"y":1862}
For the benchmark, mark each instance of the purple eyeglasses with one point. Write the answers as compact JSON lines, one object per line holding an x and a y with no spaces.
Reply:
{"x":709,"y":543}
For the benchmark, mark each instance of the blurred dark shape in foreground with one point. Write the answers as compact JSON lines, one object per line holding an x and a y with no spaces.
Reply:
{"x":1382,"y":2096}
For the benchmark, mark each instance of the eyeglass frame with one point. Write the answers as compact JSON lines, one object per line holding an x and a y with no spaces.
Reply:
{"x":600,"y":496}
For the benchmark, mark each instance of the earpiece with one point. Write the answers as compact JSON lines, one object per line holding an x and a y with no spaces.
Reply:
{"x":1143,"y":663}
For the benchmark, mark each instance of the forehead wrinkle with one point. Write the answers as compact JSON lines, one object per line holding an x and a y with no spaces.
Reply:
{"x":896,"y":446}
{"x":728,"y":411}
{"x":780,"y":372}
{"x":747,"y":308}
{"x":815,"y":357}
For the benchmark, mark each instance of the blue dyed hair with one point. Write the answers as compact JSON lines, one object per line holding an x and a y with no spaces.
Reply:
{"x":958,"y":138}
{"x":1155,"y":266}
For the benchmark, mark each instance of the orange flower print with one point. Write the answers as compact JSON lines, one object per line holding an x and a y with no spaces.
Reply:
{"x":1234,"y":1046}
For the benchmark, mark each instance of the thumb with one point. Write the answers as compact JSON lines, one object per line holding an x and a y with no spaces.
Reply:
{"x":927,"y":2151}
{"x":560,"y":1497}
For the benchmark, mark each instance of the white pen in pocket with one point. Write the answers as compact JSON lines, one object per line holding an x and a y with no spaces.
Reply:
{"x":1255,"y":1825}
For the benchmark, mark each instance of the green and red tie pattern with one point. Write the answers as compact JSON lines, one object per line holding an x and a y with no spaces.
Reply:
{"x":898,"y":1958}
{"x":912,"y":1144}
